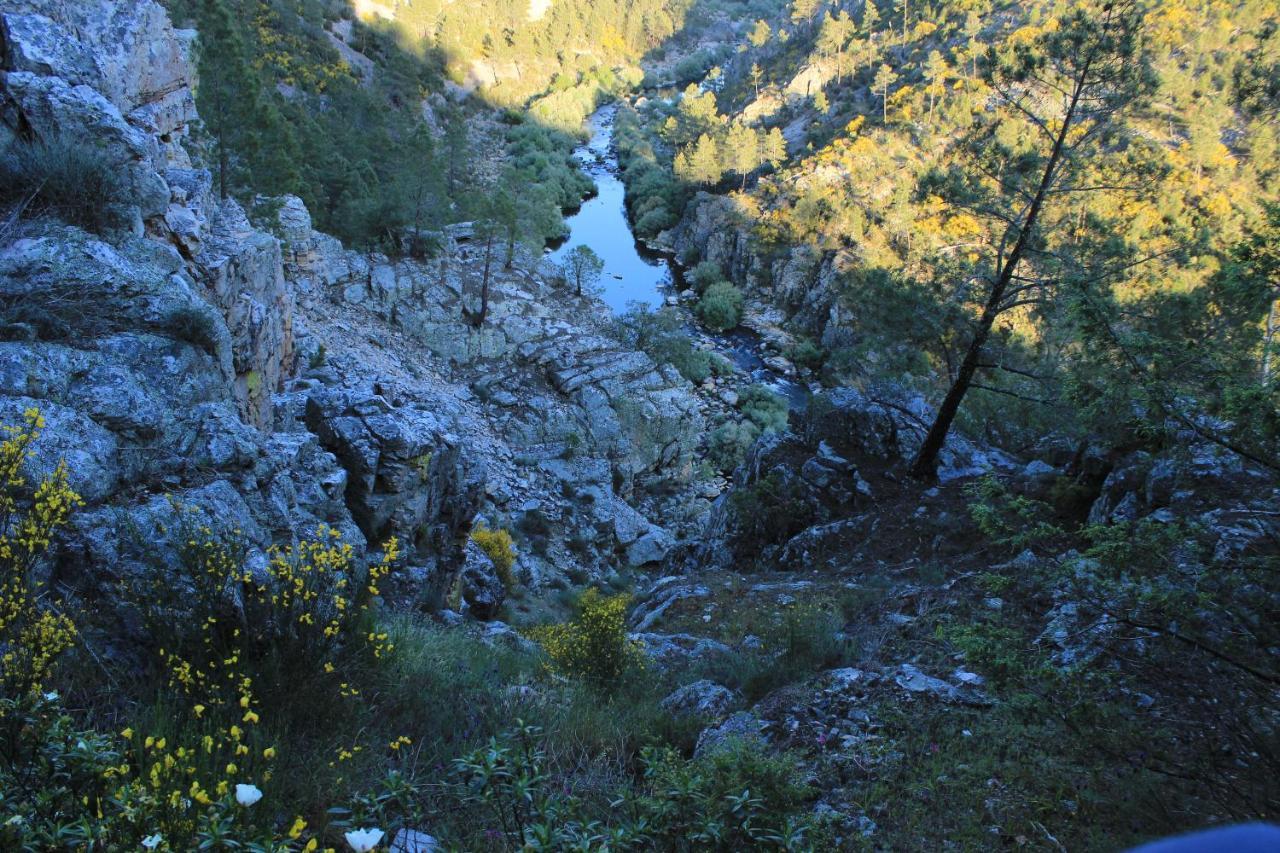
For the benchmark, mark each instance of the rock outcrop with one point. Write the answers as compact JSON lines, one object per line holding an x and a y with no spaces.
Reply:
{"x":190,"y":361}
{"x":162,"y":353}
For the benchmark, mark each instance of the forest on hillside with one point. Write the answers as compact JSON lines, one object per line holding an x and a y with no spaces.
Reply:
{"x":352,"y":113}
{"x":916,"y":138}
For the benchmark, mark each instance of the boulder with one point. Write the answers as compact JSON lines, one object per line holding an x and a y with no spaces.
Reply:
{"x":407,"y":476}
{"x":649,"y":548}
{"x":415,"y":841}
{"x":742,"y":726}
{"x":704,"y":699}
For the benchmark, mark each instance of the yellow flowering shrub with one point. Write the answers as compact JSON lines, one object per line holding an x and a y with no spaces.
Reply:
{"x":593,"y":645}
{"x":501,"y":550}
{"x":300,"y":610}
{"x":32,"y":636}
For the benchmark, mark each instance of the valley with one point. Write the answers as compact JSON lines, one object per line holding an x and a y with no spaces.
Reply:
{"x":651,"y":425}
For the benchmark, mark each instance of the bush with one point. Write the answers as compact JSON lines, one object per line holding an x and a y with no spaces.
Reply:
{"x":808,"y":354}
{"x":193,"y":325}
{"x":735,"y":798}
{"x":501,"y":550}
{"x":806,"y":638}
{"x":768,"y":512}
{"x":593,"y":645}
{"x":704,"y":275}
{"x":721,"y":306}
{"x":62,"y":178}
{"x":765,"y":409}
{"x":660,"y":334}
{"x":730,"y":442}
{"x":654,"y":221}
{"x":33,"y":635}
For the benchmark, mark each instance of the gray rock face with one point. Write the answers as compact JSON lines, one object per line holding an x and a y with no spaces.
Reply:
{"x":117,"y":74}
{"x":650,"y":548}
{"x":742,"y":726}
{"x":243,"y":277}
{"x":407,"y":476}
{"x":669,"y":650}
{"x":704,"y":699}
{"x":912,"y":680}
{"x":482,"y":589}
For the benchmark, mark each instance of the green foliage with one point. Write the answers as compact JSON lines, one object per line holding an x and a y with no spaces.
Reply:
{"x":195,"y":326}
{"x":34,"y":632}
{"x":1197,"y":618}
{"x":808,"y":354}
{"x":63,"y":178}
{"x":705,"y":274}
{"x":767,"y":410}
{"x":734,"y":798}
{"x":762,"y":411}
{"x":768,"y":513}
{"x":661,"y":335}
{"x":581,"y":269}
{"x":1013,"y":521}
{"x":721,"y":306}
{"x":728,"y":443}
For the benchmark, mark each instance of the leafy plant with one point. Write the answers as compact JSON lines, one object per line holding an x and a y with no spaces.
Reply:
{"x":593,"y":645}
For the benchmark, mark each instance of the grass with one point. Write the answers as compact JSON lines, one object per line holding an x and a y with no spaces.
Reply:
{"x":62,"y":178}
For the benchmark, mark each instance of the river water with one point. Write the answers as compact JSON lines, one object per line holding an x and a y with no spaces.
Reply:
{"x":632,"y":274}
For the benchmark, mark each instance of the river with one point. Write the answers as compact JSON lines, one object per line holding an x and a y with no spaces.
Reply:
{"x":633,"y":274}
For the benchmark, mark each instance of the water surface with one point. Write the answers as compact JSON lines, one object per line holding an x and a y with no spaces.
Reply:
{"x":631,"y":274}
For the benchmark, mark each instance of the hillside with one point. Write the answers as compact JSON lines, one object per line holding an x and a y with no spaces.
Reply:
{"x":923,"y":497}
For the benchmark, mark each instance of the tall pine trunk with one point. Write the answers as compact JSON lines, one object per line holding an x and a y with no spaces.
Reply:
{"x":925,"y":464}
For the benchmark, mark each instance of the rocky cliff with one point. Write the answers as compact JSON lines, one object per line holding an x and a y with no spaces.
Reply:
{"x":271,"y":380}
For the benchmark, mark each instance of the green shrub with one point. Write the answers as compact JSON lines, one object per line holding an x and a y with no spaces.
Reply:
{"x":767,"y":410}
{"x":738,"y":797}
{"x":63,"y":178}
{"x":193,"y":325}
{"x":704,"y":275}
{"x":729,"y":443}
{"x":803,"y":639}
{"x":721,"y":306}
{"x":1013,"y":521}
{"x":768,"y":512}
{"x":660,"y":334}
{"x":655,"y":221}
{"x":807,"y":353}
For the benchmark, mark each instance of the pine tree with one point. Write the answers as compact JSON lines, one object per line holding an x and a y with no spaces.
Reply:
{"x":245,"y":127}
{"x":885,"y":78}
{"x":582,"y":268}
{"x":773,"y":148}
{"x":742,"y":151}
{"x":935,"y":71}
{"x":700,"y":163}
{"x":760,"y":34}
{"x":1070,"y":85}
